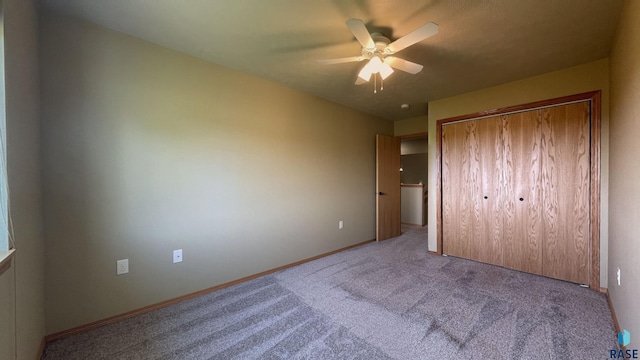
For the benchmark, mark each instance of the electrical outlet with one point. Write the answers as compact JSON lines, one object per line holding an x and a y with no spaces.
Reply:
{"x":177,"y":256}
{"x":122,"y":266}
{"x":340,"y":224}
{"x":618,"y":276}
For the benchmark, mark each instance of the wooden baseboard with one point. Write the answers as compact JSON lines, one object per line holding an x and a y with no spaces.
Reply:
{"x":162,"y":304}
{"x":605,"y":291}
{"x":616,"y":324}
{"x":433,"y":252}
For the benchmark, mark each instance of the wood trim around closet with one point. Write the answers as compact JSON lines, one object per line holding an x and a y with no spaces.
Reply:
{"x":596,"y":113}
{"x":594,"y":97}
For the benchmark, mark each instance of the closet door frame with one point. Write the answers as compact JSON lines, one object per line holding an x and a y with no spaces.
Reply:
{"x":593,"y":98}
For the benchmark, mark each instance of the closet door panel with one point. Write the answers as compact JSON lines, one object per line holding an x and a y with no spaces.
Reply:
{"x":456,"y":209}
{"x":566,"y":191}
{"x":486,"y":152}
{"x":523,"y":203}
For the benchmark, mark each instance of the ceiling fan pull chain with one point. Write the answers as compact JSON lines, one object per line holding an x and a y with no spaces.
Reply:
{"x":375,"y":84}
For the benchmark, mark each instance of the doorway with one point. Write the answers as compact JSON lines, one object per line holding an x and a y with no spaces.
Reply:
{"x":413,"y":179}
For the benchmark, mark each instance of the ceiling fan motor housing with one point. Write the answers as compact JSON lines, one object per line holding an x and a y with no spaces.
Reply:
{"x":381,"y":43}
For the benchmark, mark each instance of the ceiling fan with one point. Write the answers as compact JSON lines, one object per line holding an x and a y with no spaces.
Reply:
{"x":379,"y":50}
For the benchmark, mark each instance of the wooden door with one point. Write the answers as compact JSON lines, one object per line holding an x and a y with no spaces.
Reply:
{"x":485,"y":175}
{"x":456,"y":199}
{"x":387,"y":187}
{"x":566,"y":191}
{"x":522,"y":203}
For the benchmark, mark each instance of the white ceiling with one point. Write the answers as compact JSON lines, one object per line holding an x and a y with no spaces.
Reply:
{"x":480,"y":43}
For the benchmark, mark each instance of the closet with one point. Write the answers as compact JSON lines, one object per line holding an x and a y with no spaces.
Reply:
{"x":516,"y":189}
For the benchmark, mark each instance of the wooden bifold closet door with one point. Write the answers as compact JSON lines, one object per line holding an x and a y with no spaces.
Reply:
{"x":456,"y":189}
{"x":486,"y":190}
{"x":516,"y":190}
{"x":472,"y":167}
{"x":522,"y":216}
{"x":566,"y":192}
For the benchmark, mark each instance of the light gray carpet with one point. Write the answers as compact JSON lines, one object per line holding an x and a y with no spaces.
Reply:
{"x":388,"y":300}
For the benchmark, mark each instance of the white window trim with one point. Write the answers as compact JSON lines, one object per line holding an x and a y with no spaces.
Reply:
{"x":5,"y":260}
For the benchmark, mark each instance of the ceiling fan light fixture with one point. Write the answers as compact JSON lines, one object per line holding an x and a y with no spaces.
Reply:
{"x":385,"y":71}
{"x":370,"y":69}
{"x":365,"y":73}
{"x":375,"y":64}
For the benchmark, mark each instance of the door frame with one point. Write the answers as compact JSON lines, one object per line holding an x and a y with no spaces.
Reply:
{"x":594,"y":97}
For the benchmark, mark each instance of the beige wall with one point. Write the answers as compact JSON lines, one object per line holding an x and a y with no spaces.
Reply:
{"x":624,"y":208}
{"x":23,"y":164}
{"x":147,"y":150}
{"x":414,"y":169}
{"x":416,"y":125}
{"x":414,"y":146}
{"x":413,"y":160}
{"x":7,"y":316}
{"x":574,"y":80}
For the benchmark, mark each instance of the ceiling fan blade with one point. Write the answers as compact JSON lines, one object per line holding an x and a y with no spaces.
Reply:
{"x":361,"y":33}
{"x":340,"y":60}
{"x":403,"y":65}
{"x":360,"y":81}
{"x":417,"y":35}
